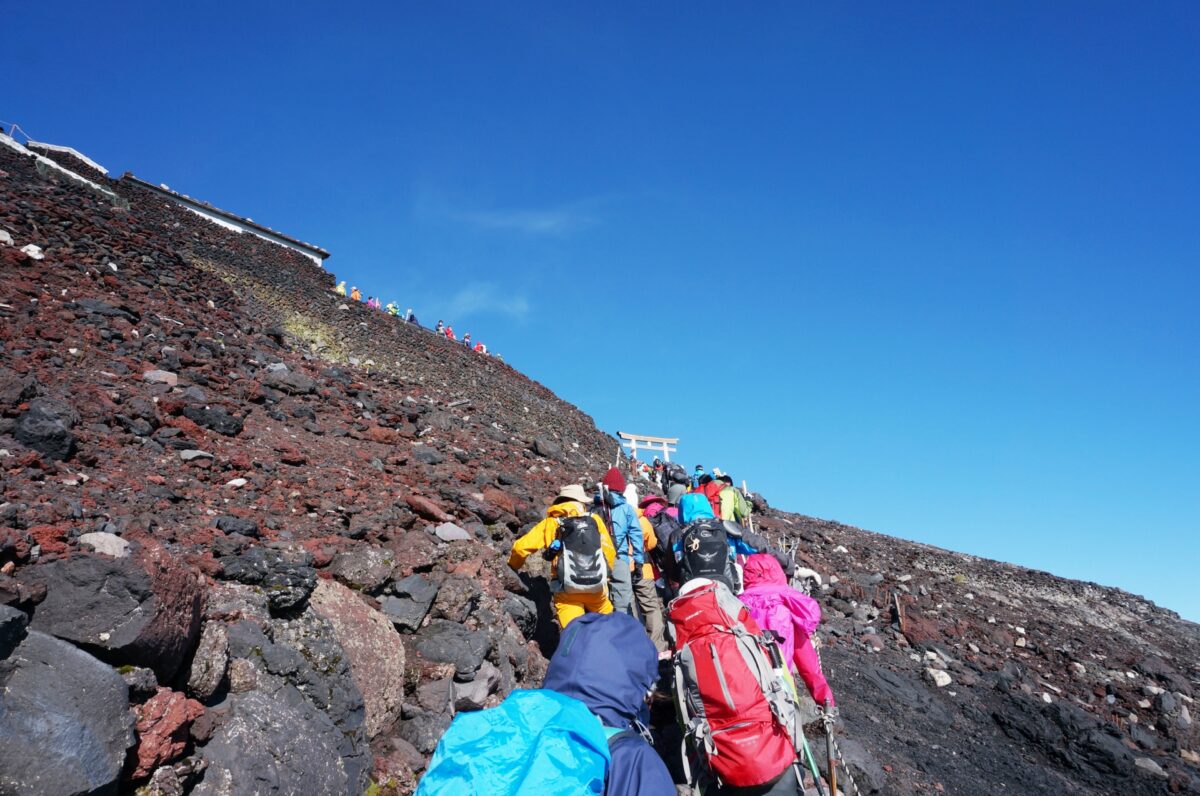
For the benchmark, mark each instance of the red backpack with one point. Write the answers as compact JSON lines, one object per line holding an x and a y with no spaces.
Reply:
{"x":739,"y":718}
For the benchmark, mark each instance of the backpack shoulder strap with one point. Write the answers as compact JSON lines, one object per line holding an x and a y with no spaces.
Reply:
{"x":615,"y":735}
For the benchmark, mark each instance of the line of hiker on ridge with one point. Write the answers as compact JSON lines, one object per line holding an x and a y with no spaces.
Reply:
{"x":393,"y":309}
{"x":727,"y":653}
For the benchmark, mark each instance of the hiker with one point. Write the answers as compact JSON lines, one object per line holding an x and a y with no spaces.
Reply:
{"x":645,"y":593}
{"x":409,"y":317}
{"x":583,"y":732}
{"x":703,"y":547}
{"x":605,"y":662}
{"x":467,"y":340}
{"x":733,"y":503}
{"x":450,"y":333}
{"x":355,"y":295}
{"x":664,"y":522}
{"x":440,"y":328}
{"x":677,"y":482}
{"x":712,"y":490}
{"x":626,"y":537}
{"x":740,"y":719}
{"x":393,"y":309}
{"x":791,"y":615}
{"x":694,"y":544}
{"x":340,"y":289}
{"x":697,"y":474}
{"x":581,"y":552}
{"x":480,"y":348}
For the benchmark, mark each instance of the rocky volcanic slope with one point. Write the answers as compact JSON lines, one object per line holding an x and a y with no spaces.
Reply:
{"x":253,"y":540}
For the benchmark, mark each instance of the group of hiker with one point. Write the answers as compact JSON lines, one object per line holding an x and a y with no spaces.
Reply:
{"x":448,"y":331}
{"x":734,"y":635}
{"x":375,"y":303}
{"x":393,"y":309}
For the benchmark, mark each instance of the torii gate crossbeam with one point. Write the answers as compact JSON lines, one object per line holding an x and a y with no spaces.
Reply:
{"x":637,"y":442}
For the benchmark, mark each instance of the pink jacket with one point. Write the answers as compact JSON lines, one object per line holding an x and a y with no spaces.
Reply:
{"x":793,"y":615}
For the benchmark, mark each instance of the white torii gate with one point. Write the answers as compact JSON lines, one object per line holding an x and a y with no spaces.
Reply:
{"x":640,"y":442}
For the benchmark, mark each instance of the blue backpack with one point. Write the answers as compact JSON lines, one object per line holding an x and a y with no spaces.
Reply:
{"x":535,"y":741}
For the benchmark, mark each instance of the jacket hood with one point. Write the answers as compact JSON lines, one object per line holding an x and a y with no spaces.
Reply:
{"x":694,"y":506}
{"x":566,"y":509}
{"x":608,"y":663}
{"x":761,"y":569}
{"x":616,"y":499}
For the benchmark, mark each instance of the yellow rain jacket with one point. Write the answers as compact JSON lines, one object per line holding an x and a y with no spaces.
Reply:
{"x":541,"y":536}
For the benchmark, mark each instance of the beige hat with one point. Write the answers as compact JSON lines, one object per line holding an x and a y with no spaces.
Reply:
{"x":572,"y":492}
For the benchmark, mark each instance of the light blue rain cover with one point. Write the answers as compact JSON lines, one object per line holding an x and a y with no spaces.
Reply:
{"x":534,"y":742}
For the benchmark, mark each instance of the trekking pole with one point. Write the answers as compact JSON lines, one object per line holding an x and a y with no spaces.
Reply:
{"x":832,"y":759}
{"x":812,"y":763}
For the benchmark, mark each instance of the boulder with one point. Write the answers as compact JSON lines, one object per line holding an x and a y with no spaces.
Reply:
{"x":65,"y":724}
{"x":457,"y":598}
{"x":414,"y":595}
{"x":427,"y":509}
{"x":364,"y":567}
{"x":209,"y":662}
{"x":144,"y":610}
{"x":214,"y":418}
{"x":290,"y":382}
{"x":547,"y":448}
{"x":424,"y":730}
{"x":442,"y":641}
{"x":373,"y":648}
{"x":449,"y":532}
{"x":286,"y":583}
{"x":15,"y":389}
{"x":12,"y":629}
{"x":162,"y":728}
{"x":160,"y":377}
{"x":246,"y":526}
{"x":108,"y":544}
{"x":274,"y":744}
{"x":46,"y":428}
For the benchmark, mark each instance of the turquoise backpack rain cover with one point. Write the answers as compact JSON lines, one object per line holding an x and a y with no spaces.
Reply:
{"x":534,"y":742}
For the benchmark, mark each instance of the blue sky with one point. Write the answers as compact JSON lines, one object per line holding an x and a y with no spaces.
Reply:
{"x":929,"y":269}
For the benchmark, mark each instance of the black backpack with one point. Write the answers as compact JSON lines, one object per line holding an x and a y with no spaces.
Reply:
{"x":704,"y":553}
{"x":581,"y":565}
{"x":676,"y":474}
{"x":665,"y":528}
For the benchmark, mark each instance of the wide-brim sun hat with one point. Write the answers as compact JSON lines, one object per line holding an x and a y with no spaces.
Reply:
{"x":572,"y":492}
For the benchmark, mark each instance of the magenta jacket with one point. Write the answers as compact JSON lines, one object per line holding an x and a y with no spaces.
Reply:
{"x":793,"y":616}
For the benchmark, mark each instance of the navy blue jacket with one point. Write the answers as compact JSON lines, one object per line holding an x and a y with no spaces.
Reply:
{"x":607,"y":662}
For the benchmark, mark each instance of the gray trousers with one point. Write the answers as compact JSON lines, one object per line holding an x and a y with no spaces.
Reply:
{"x":650,"y":607}
{"x":621,"y":588}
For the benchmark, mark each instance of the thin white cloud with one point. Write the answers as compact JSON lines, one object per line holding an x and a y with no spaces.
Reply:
{"x":530,"y":222}
{"x":554,"y":221}
{"x":483,"y":298}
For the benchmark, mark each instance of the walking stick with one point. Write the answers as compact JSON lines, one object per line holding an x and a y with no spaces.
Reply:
{"x":812,"y":764}
{"x":833,"y":789}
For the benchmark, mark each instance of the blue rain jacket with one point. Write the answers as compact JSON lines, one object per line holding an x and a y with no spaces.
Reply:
{"x":607,"y":662}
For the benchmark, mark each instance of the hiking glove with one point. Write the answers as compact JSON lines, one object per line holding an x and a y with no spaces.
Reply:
{"x":635,"y":577}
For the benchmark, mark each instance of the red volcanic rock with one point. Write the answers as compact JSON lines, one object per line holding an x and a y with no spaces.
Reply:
{"x":162,"y":728}
{"x":51,"y":538}
{"x":427,"y":509}
{"x":384,"y":436}
{"x":293,"y":456}
{"x":501,"y":499}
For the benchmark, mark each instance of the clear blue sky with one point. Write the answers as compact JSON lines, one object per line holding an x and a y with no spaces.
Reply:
{"x":929,"y":269}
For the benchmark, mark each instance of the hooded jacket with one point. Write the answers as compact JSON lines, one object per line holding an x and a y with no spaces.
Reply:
{"x":607,"y":662}
{"x":626,"y":530}
{"x":793,"y":615}
{"x":543,"y":534}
